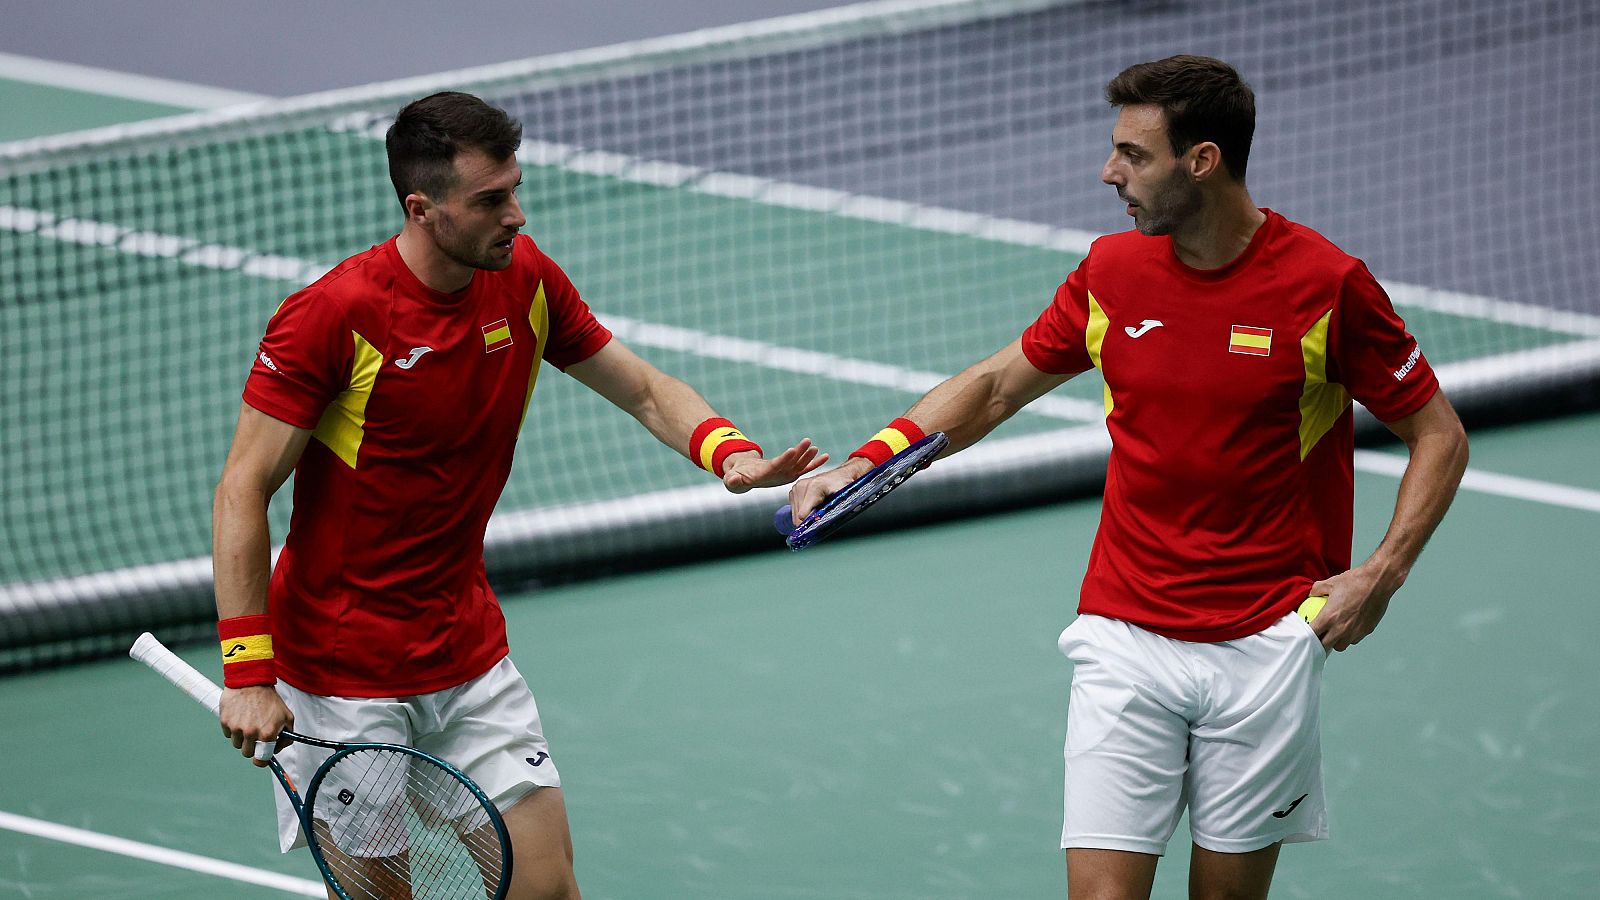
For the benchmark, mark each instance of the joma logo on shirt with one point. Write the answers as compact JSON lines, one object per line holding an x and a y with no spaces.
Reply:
{"x":416,"y":354}
{"x":267,"y":360}
{"x":1411,"y":363}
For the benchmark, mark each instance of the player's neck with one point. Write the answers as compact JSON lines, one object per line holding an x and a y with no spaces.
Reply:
{"x":1220,"y":231}
{"x":434,"y":269}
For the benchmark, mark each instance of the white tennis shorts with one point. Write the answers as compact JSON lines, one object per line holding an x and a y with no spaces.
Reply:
{"x":488,"y":728}
{"x":1229,"y":730}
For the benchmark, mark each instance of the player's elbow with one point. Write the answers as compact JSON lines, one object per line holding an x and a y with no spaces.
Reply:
{"x":237,"y":492}
{"x":1461,"y":450}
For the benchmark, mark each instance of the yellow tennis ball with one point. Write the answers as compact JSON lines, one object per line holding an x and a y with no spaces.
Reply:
{"x":1313,"y":605}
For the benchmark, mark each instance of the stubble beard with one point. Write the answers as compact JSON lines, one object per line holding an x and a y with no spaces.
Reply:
{"x":463,"y":250}
{"x":1173,"y":203}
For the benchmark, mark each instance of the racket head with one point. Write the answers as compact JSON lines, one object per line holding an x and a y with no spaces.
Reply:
{"x":857,"y":496}
{"x":386,"y":820}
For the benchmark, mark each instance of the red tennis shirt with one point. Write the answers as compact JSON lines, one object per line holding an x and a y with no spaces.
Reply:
{"x":1230,"y":486}
{"x":415,"y":399}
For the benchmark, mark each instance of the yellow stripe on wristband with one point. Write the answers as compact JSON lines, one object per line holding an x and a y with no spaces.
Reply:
{"x":894,"y":438}
{"x":708,"y":447}
{"x":246,"y":649}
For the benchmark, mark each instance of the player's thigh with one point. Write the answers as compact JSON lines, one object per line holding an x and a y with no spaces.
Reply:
{"x":336,"y":719}
{"x":1109,"y":874}
{"x":1127,"y":742}
{"x":1255,"y":768}
{"x":541,"y":847}
{"x":490,"y":729}
{"x":366,"y":878}
{"x":1231,"y":876}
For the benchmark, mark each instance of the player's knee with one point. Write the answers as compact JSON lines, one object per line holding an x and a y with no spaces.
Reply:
{"x":1226,"y":892}
{"x":549,"y":882}
{"x":1106,"y":891}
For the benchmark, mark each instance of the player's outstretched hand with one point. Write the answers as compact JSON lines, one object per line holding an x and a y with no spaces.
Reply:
{"x":744,"y":471}
{"x":1357,"y":600}
{"x":809,"y":493}
{"x":253,"y":714}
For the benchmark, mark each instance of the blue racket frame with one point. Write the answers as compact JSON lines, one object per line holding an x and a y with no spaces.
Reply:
{"x":855,"y":497}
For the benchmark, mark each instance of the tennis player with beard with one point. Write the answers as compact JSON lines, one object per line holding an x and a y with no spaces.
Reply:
{"x":1232,"y":341}
{"x":395,"y":388}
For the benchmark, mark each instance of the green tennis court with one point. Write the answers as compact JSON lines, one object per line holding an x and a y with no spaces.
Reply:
{"x":787,"y":725}
{"x":876,"y":718}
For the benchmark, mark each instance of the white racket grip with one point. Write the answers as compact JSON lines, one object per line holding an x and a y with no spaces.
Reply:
{"x":155,"y":654}
{"x":205,"y":692}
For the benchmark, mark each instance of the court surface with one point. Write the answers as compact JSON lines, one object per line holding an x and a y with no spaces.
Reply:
{"x":882,"y":718}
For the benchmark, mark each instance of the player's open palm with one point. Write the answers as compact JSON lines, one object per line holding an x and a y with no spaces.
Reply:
{"x":1357,"y":600}
{"x":747,"y":470}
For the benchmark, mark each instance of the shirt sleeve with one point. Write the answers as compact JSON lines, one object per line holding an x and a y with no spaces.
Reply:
{"x":303,"y":362}
{"x":575,"y":334}
{"x":1056,"y":342}
{"x":1374,"y":357}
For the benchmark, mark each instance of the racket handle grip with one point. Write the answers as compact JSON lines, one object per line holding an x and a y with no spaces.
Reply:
{"x":165,"y":663}
{"x":783,"y":520}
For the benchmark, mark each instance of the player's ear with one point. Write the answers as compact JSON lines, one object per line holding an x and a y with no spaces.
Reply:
{"x":418,"y":206}
{"x":1204,"y":160}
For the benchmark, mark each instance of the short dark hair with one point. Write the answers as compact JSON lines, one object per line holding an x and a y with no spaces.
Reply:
{"x":1202,"y":99}
{"x":428,"y":133}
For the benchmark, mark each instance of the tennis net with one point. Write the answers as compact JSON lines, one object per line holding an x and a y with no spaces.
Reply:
{"x":811,"y":219}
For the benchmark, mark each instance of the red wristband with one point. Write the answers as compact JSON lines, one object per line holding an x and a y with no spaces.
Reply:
{"x":246,"y":643}
{"x":714,"y":440}
{"x":900,"y":434}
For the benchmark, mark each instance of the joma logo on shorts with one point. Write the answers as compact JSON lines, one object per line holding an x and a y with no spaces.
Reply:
{"x":1284,"y":813}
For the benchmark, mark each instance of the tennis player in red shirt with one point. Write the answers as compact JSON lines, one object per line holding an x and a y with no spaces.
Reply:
{"x":394,"y":388}
{"x":1231,"y":341}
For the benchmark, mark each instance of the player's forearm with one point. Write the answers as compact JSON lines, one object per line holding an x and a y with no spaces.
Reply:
{"x":241,"y":551}
{"x":1438,"y":460}
{"x":671,"y":410}
{"x":970,"y":405}
{"x":965,"y":407}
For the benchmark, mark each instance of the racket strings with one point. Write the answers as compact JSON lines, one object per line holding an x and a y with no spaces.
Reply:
{"x":393,"y":825}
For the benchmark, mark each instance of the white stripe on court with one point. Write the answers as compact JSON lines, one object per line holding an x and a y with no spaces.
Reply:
{"x":190,"y":251}
{"x":844,"y":369}
{"x":126,"y":85}
{"x":1548,"y":493}
{"x":818,"y":364}
{"x":636,"y":332}
{"x":205,"y":865}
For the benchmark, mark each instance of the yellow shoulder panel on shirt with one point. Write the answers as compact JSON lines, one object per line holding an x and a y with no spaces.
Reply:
{"x":539,"y":320}
{"x":344,"y":421}
{"x":1322,"y":402}
{"x":1094,"y":337}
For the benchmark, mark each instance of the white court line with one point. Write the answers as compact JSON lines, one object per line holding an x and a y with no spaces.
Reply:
{"x":205,"y":865}
{"x":636,"y":332}
{"x":126,"y":85}
{"x":1534,"y":491}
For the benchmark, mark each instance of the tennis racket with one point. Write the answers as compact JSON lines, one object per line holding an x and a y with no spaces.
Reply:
{"x":854,"y":498}
{"x":382,"y":820}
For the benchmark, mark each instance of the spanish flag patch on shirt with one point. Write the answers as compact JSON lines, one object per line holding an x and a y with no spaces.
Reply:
{"x":496,"y":335}
{"x":1250,"y":340}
